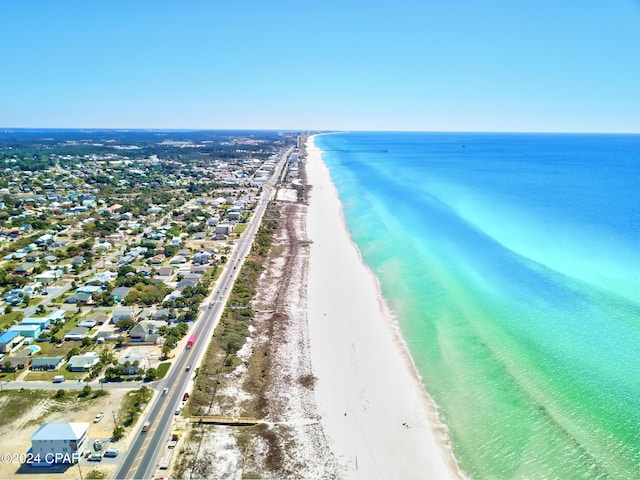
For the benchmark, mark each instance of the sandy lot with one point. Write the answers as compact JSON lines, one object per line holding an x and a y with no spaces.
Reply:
{"x":15,"y":437}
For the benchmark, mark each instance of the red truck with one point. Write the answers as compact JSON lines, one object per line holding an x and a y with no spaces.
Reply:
{"x":191,"y":341}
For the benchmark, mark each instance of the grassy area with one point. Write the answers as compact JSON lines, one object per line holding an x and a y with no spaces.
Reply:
{"x":54,"y":349}
{"x":240,"y":227}
{"x":48,"y":376}
{"x":8,"y":319}
{"x":163,"y":368}
{"x":15,"y":404}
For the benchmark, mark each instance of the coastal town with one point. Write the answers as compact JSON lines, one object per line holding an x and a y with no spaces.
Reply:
{"x":112,"y":243}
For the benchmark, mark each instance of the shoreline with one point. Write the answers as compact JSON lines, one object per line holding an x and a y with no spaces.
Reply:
{"x":373,"y":407}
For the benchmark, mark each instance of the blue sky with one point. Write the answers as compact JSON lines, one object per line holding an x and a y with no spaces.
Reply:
{"x":496,"y":65}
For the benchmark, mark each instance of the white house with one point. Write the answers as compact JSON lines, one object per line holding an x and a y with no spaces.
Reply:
{"x":58,"y":443}
{"x":82,"y":363}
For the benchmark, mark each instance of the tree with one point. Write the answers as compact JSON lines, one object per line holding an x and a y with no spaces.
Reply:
{"x":59,"y":394}
{"x":40,"y":310}
{"x":7,"y":365}
{"x":118,"y":432}
{"x":151,"y":374}
{"x":86,"y":390}
{"x":72,"y":352}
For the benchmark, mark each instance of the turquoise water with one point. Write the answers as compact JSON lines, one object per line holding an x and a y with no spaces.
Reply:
{"x":512,"y":262}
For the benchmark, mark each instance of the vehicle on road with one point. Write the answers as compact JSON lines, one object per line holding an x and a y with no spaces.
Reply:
{"x":145,"y":427}
{"x":111,"y":452}
{"x":165,"y":390}
{"x":191,"y":341}
{"x":188,"y":368}
{"x":58,"y":379}
{"x":98,"y":417}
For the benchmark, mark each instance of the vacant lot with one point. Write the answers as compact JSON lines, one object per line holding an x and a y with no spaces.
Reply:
{"x":23,"y":412}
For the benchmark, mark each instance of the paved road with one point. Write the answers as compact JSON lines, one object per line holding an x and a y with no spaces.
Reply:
{"x":143,"y":456}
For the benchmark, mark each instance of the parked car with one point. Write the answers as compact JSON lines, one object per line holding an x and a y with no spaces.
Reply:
{"x":97,"y":445}
{"x":98,"y":417}
{"x":96,"y":457}
{"x":111,"y":452}
{"x":185,"y":397}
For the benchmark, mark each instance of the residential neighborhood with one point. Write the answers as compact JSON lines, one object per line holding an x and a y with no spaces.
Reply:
{"x":104,"y":250}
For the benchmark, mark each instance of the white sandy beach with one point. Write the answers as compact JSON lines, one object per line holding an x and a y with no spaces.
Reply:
{"x":379,"y":420}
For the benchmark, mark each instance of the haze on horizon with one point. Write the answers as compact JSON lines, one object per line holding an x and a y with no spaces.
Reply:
{"x":334,"y":65}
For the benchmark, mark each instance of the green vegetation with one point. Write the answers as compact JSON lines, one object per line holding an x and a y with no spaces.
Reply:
{"x":163,"y":368}
{"x":9,"y":319}
{"x":133,"y":404}
{"x":233,"y":328}
{"x":96,"y":475}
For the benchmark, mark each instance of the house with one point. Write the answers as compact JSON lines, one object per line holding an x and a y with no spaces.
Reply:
{"x":161,"y":314}
{"x":201,"y":258}
{"x":122,"y":314}
{"x":79,"y":297}
{"x":119,"y":293}
{"x":224,"y":228}
{"x":172,"y":296}
{"x":186,"y":282}
{"x":157,"y":259}
{"x":56,"y":316}
{"x":25,"y":269}
{"x":178,"y":259}
{"x":79,"y":260}
{"x":27,"y":331}
{"x":18,"y":361}
{"x":90,"y":289}
{"x":47,"y":363}
{"x":82,"y":363}
{"x":10,"y":341}
{"x":165,"y":271}
{"x":146,"y":331}
{"x":99,"y":318}
{"x":87,"y":323}
{"x":133,"y":362}
{"x":59,"y":443}
{"x":103,"y":277}
{"x":77,"y":333}
{"x":42,"y":322}
{"x":48,"y":277}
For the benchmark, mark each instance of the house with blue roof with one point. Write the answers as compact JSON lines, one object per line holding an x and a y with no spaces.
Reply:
{"x":10,"y":340}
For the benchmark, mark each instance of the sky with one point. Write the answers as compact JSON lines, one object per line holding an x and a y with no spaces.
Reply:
{"x":426,"y":65}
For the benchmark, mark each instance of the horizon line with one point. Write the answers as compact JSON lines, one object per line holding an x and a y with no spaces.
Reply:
{"x":311,"y":130}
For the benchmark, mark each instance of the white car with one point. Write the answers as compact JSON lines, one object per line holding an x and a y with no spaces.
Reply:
{"x":98,"y":417}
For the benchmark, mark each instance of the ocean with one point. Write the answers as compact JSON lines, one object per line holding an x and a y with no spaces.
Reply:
{"x":512,"y":265}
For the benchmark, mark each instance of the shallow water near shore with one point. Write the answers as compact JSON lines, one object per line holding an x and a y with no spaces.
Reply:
{"x":511,"y":262}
